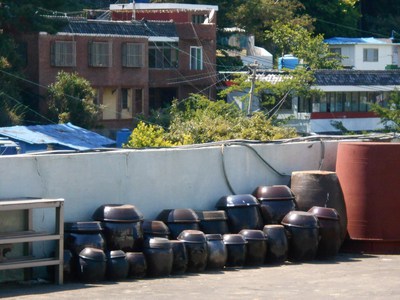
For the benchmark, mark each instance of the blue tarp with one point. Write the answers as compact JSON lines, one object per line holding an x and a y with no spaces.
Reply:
{"x":65,"y":136}
{"x":346,"y":40}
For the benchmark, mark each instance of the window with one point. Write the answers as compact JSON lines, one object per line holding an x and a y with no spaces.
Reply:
{"x":198,"y":19}
{"x":196,"y":58}
{"x":163,"y":55}
{"x":63,"y":54}
{"x":370,"y":55}
{"x":139,"y":101}
{"x":124,"y":99}
{"x":100,"y":54}
{"x":132,"y":55}
{"x":337,"y":51}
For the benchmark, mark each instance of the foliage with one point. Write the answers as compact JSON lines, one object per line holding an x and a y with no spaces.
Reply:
{"x":226,"y":62}
{"x":389,"y":114}
{"x":199,"y":120}
{"x":300,"y":42}
{"x":71,"y":99}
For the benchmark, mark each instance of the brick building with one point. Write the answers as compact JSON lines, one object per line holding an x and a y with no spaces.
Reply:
{"x":134,"y":65}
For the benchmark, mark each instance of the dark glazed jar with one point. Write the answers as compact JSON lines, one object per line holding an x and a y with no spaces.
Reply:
{"x":92,"y":265}
{"x":155,"y":229}
{"x":181,"y":260}
{"x":117,"y":265}
{"x":196,"y":247}
{"x":329,"y":230}
{"x":159,"y":256}
{"x":81,"y":235}
{"x":275,"y":202}
{"x":277,"y":244}
{"x":213,"y":221}
{"x":243,"y":212}
{"x":137,"y":264}
{"x":236,"y":248}
{"x":122,"y":225}
{"x":256,"y":246}
{"x":179,"y":220}
{"x":217,"y":252}
{"x":303,"y":231}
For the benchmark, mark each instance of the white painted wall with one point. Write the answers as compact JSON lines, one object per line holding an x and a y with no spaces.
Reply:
{"x":384,"y":57}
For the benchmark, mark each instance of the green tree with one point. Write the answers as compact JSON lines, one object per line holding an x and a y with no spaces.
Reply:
{"x":390,"y":114}
{"x":71,"y":99}
{"x":299,"y":41}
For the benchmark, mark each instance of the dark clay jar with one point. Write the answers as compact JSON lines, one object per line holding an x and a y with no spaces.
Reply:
{"x":303,"y":231}
{"x":117,"y":265}
{"x":217,"y":252}
{"x":159,"y":256}
{"x":196,"y":247}
{"x":92,"y":265}
{"x":137,"y":264}
{"x":277,"y":244}
{"x":213,"y":221}
{"x":179,"y":220}
{"x":256,"y":246}
{"x":81,"y":235}
{"x":181,"y":260}
{"x":329,"y":230}
{"x":236,"y":248}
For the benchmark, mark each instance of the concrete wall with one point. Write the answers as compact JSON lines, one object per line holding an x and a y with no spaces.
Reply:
{"x":156,"y":179}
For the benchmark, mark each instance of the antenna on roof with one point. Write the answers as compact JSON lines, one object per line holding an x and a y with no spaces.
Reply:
{"x":133,"y":10}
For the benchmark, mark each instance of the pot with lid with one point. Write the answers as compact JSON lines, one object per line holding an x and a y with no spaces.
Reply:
{"x":329,"y":230}
{"x":122,"y":225}
{"x":256,"y":246}
{"x":117,"y":265}
{"x":92,"y":265}
{"x":181,"y":260}
{"x":179,"y":220}
{"x":217,"y":252}
{"x":303,"y":231}
{"x":236,"y":248}
{"x":155,"y":229}
{"x":137,"y":264}
{"x":213,"y":221}
{"x":243,"y":212}
{"x":275,"y":202}
{"x":277,"y":243}
{"x":159,"y":256}
{"x":196,"y":247}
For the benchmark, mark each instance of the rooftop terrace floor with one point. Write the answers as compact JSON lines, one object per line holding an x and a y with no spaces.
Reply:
{"x":349,"y":276}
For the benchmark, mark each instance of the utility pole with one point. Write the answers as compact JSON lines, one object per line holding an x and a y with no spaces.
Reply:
{"x":253,"y":68}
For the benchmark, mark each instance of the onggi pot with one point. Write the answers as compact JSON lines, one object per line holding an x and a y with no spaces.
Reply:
{"x":217,"y":252}
{"x":256,"y":246}
{"x":159,"y":256}
{"x":155,"y":229}
{"x":213,"y":221}
{"x":117,"y":265}
{"x":137,"y":264}
{"x":243,"y":212}
{"x":92,"y":265}
{"x":329,"y":230}
{"x":236,"y":248}
{"x":179,"y":220}
{"x":277,"y":242}
{"x":303,"y":231}
{"x":122,"y":225}
{"x":181,"y":260}
{"x":196,"y":247}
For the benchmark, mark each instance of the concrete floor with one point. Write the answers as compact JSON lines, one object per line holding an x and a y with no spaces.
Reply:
{"x":349,"y":276}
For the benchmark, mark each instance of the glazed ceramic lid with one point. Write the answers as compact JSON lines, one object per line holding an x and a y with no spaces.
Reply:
{"x":212,"y":215}
{"x":157,"y":242}
{"x":253,"y":234}
{"x":155,"y":227}
{"x":93,"y":254}
{"x":117,"y":213}
{"x":192,"y":236}
{"x":115,"y":254}
{"x":324,"y":213}
{"x":300,"y":219}
{"x":273,"y":192}
{"x":234,"y":239}
{"x":214,"y":237}
{"x":237,"y":201}
{"x":90,"y":227}
{"x":183,"y":215}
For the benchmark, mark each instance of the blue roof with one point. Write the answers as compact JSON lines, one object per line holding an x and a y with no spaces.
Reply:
{"x":351,"y":41}
{"x":67,"y":135}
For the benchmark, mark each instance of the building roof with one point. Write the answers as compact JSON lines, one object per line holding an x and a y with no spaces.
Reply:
{"x":164,"y":6}
{"x":121,"y":28}
{"x":357,"y":77}
{"x":67,"y":135}
{"x":352,"y":41}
